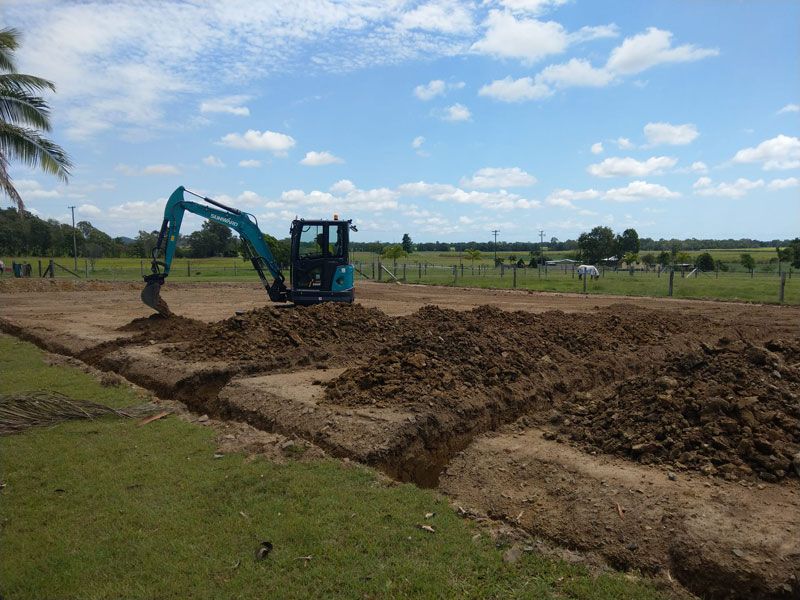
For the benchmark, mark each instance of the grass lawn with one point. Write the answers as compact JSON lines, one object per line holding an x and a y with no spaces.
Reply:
{"x":108,"y":509}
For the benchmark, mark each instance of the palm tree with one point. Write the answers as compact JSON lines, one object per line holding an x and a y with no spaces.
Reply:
{"x":24,"y":115}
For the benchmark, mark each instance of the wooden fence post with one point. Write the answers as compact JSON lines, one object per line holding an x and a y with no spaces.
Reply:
{"x":40,"y":268}
{"x":783,"y":286}
{"x":380,"y":271}
{"x":188,"y":268}
{"x":52,"y":268}
{"x":671,"y":277}
{"x":585,"y":277}
{"x":514,"y":285}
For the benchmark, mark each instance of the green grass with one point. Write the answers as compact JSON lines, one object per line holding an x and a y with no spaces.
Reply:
{"x":108,"y":509}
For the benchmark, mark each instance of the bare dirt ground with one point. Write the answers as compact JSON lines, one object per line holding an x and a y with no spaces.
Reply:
{"x":659,"y":435}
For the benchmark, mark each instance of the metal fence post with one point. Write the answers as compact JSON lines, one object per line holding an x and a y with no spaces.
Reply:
{"x":404,"y":271}
{"x":455,"y":274}
{"x":514,"y":284}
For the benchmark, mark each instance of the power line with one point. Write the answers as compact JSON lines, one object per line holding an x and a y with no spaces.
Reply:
{"x":74,"y":240}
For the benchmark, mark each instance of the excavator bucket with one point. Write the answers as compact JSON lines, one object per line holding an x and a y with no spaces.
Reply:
{"x":151,"y":296}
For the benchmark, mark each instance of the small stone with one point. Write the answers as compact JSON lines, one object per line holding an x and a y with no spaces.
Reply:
{"x":796,"y":463}
{"x":738,"y":553}
{"x":512,"y":555}
{"x":202,"y":419}
{"x":672,"y":476}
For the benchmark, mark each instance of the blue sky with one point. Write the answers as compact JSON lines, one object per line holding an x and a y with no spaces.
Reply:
{"x":439,"y":118}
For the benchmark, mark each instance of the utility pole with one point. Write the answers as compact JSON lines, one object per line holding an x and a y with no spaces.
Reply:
{"x":74,"y":240}
{"x":495,"y":232}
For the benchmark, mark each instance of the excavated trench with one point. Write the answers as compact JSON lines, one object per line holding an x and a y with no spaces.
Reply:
{"x":414,"y":396}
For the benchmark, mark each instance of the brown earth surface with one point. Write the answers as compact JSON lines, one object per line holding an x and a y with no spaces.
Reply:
{"x":475,"y":391}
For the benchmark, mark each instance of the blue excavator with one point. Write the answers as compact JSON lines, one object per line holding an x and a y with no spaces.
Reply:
{"x":319,"y":260}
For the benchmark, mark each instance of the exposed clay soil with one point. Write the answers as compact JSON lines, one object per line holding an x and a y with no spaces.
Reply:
{"x":707,"y":390}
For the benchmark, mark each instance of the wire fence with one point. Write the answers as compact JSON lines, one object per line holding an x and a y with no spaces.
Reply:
{"x":773,"y":286}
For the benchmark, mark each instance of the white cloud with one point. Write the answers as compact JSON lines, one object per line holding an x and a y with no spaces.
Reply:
{"x":213,"y":161}
{"x":630,"y":167}
{"x":515,"y":90}
{"x":565,"y":197}
{"x":443,"y":192}
{"x":736,"y":189}
{"x":639,"y":190}
{"x":533,"y":7}
{"x":457,"y":112}
{"x":120,"y":65}
{"x":345,"y":197}
{"x":529,"y":40}
{"x":89,"y":210}
{"x":138,"y":211}
{"x":575,"y":73}
{"x":673,"y":135}
{"x":782,"y":184}
{"x":780,"y":152}
{"x":699,"y":167}
{"x":446,"y":16}
{"x":277,"y":143}
{"x":250,"y":163}
{"x":597,"y":148}
{"x":789,"y":108}
{"x":232,"y":105}
{"x":343,"y":186}
{"x":318,"y":159}
{"x":417,"y":142}
{"x":492,"y":177}
{"x":624,"y":143}
{"x":30,"y":188}
{"x":652,"y":48}
{"x":430,"y":90}
{"x":161,"y":169}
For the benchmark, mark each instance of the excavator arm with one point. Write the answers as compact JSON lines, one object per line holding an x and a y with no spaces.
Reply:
{"x":241,"y":222}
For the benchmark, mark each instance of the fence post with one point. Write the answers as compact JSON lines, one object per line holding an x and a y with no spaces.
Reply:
{"x":234,"y":267}
{"x":671,"y":277}
{"x":86,"y":268}
{"x":40,"y":268}
{"x":188,"y":268}
{"x":380,"y":271}
{"x":404,"y":272}
{"x":585,"y":277}
{"x":141,"y":268}
{"x":783,"y":286}
{"x":514,"y":285}
{"x":462,"y":270}
{"x":52,"y":269}
{"x":373,"y":270}
{"x":455,"y":274}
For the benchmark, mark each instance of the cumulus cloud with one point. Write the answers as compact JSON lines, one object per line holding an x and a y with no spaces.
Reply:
{"x":597,"y":148}
{"x":673,"y":135}
{"x":564,"y":198}
{"x":575,"y":73}
{"x":344,"y":197}
{"x":699,"y":167}
{"x":735,"y":189}
{"x":318,"y":159}
{"x":30,"y":188}
{"x":457,"y":112}
{"x":232,"y":105}
{"x":137,"y":211}
{"x":276,"y":143}
{"x":160,"y":169}
{"x":89,"y":210}
{"x":651,"y":48}
{"x":445,"y":16}
{"x":789,"y":108}
{"x":780,"y":152}
{"x":343,"y":186}
{"x":533,"y":7}
{"x":630,"y":167}
{"x":639,"y":190}
{"x":443,"y":192}
{"x":492,"y":177}
{"x":417,"y":142}
{"x":624,"y":143}
{"x":430,"y":90}
{"x":213,"y":161}
{"x":250,"y":163}
{"x":782,"y":184}
{"x":515,"y":90}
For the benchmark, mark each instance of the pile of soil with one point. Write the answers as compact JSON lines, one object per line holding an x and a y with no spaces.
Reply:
{"x":453,"y":359}
{"x":271,"y":338}
{"x":731,"y":410}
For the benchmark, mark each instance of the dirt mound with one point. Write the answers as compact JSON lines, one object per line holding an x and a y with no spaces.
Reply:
{"x":731,"y":410}
{"x":13,"y":285}
{"x":272,"y":337}
{"x":162,"y":329}
{"x":451,"y":359}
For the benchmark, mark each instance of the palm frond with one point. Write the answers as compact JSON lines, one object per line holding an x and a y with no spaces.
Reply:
{"x":7,"y":186}
{"x":28,"y":146}
{"x":17,"y":106}
{"x":25,"y":83}
{"x":9,"y":41}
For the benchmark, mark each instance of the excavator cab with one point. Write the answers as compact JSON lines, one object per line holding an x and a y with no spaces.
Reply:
{"x":320,"y":263}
